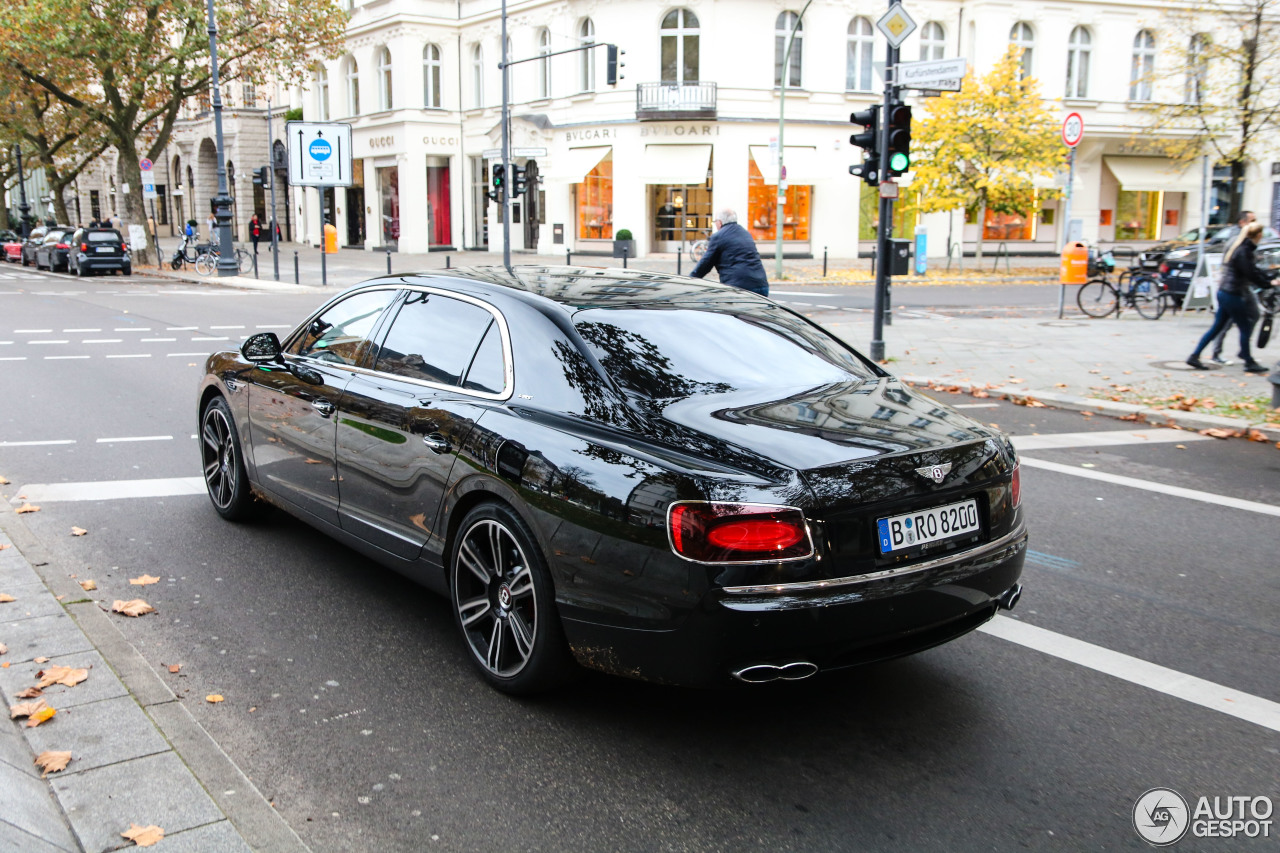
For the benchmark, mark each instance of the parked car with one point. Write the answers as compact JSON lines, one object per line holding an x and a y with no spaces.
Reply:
{"x":12,"y":244}
{"x":649,"y":475}
{"x":29,"y":245}
{"x":52,"y":252}
{"x":99,"y":250}
{"x":1179,"y":266}
{"x":1215,"y":241}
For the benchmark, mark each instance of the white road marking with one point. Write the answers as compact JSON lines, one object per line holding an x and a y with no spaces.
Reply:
{"x":211,"y":339}
{"x":132,"y":329}
{"x":1147,"y":485}
{"x":49,"y":342}
{"x":33,"y":331}
{"x":155,"y":340}
{"x":14,"y":358}
{"x":802,"y":293}
{"x":101,"y":341}
{"x":110,"y":490}
{"x":187,"y":354}
{"x":35,"y":444}
{"x":226,"y":327}
{"x":1216,"y":697}
{"x":975,"y":405}
{"x":63,"y":357}
{"x":136,"y":438}
{"x":184,"y":328}
{"x":5,"y":343}
{"x":1109,"y":438}
{"x":66,"y":331}
{"x":133,"y":355}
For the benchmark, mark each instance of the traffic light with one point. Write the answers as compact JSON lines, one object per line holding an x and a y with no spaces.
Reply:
{"x":869,"y":141}
{"x":612,"y":64}
{"x":499,"y":180}
{"x":519,"y":179}
{"x":899,"y":138}
{"x":262,"y":177}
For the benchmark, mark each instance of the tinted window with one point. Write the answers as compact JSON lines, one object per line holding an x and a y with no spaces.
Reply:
{"x":104,"y":237}
{"x":433,"y":338}
{"x":337,"y":334}
{"x":488,"y":371}
{"x":53,"y":237}
{"x":675,"y":352}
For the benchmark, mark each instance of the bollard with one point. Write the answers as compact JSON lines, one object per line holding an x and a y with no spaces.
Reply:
{"x":295,"y":267}
{"x":679,"y":256}
{"x":255,"y":264}
{"x":824,"y":261}
{"x":446,"y":262}
{"x":388,"y":262}
{"x":324,"y":267}
{"x":568,"y":256}
{"x":624,"y":257}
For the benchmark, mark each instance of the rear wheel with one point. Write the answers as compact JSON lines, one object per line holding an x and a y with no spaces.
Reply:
{"x":127,"y":269}
{"x":1096,"y":298}
{"x":206,"y":263}
{"x":244,"y":261}
{"x":224,"y":472}
{"x":1147,"y":299}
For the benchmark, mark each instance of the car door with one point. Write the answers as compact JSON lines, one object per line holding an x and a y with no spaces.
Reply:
{"x":403,"y":423}
{"x":293,"y":406}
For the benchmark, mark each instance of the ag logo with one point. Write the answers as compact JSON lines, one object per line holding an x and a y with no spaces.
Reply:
{"x":1161,"y":817}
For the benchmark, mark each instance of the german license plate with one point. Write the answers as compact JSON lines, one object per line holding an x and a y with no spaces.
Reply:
{"x":900,"y":532}
{"x":106,"y":249}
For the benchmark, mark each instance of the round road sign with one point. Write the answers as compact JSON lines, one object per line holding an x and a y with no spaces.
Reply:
{"x":1072,"y":129}
{"x":145,"y":165}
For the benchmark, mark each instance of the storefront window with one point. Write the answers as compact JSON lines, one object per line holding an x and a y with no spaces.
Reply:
{"x":1138,"y":215}
{"x":762,"y":208}
{"x":595,"y":202}
{"x":438,"y":201}
{"x":1009,"y":226}
{"x":389,"y":188}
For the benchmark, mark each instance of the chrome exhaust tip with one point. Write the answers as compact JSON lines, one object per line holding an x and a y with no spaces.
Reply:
{"x":1009,"y":598}
{"x":761,"y":673}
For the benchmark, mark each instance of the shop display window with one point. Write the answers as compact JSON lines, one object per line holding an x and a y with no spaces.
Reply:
{"x":595,"y":202}
{"x":1138,"y":215}
{"x":1009,"y":226}
{"x":762,"y":208}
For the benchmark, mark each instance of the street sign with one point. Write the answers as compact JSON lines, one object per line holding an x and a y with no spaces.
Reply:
{"x":1072,"y":129}
{"x":943,"y":75}
{"x":319,"y":153}
{"x":145,"y":165}
{"x":896,"y":25}
{"x":148,"y":186}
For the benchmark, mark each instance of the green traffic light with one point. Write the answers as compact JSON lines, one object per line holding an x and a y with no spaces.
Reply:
{"x":898,"y":161}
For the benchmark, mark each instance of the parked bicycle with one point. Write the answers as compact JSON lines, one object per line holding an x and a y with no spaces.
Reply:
{"x":209,"y":255}
{"x":1100,"y":297}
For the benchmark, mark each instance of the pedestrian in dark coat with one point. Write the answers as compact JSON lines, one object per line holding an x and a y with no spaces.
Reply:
{"x":1239,"y":272}
{"x":733,"y":254}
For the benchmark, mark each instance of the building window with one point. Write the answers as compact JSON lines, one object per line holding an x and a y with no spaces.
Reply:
{"x":858,"y":63}
{"x":1197,"y":67}
{"x":1138,"y":215}
{"x":384,"y":79}
{"x":1010,"y":226}
{"x":586,"y":58}
{"x":95,"y":204}
{"x":680,"y":47}
{"x":353,"y":87}
{"x":249,"y":93}
{"x":1078,"y":49}
{"x":477,"y":76}
{"x":322,"y":94}
{"x":595,"y":202}
{"x":933,"y":41}
{"x":544,"y":64}
{"x":781,"y":34}
{"x":1144,"y":66}
{"x":762,"y":208}
{"x":431,"y":76}
{"x":1022,"y":36}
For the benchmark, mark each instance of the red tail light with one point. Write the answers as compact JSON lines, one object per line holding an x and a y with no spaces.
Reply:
{"x":124,"y":247}
{"x":1164,"y":269}
{"x":84,"y":247}
{"x":1015,"y":487}
{"x":713,"y":532}
{"x":62,"y":245}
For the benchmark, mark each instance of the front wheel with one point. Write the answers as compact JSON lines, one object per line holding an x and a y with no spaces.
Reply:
{"x":503,"y":603}
{"x":206,"y":263}
{"x":224,"y":472}
{"x":244,"y":261}
{"x":1147,"y":297}
{"x":697,"y":250}
{"x":176,"y":263}
{"x":1097,"y":298}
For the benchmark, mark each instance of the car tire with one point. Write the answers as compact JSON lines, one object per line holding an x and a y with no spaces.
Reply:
{"x":25,"y":263}
{"x":504,"y":605}
{"x":222,"y":457}
{"x":127,"y":270}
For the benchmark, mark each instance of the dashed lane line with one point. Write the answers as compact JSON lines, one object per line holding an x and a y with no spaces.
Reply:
{"x":1109,"y":438}
{"x":36,"y":443}
{"x":65,"y":357}
{"x":106,"y":490}
{"x":135,"y":438}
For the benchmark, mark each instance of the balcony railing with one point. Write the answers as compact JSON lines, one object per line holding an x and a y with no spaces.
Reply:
{"x":668,"y":101}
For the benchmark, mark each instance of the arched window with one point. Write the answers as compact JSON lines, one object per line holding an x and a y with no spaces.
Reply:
{"x":586,"y":58}
{"x":431,"y":76}
{"x":933,"y":41}
{"x":857,"y":75}
{"x":477,"y":76}
{"x":353,"y":86}
{"x":384,"y":79}
{"x":680,"y":47}
{"x":544,"y":64}
{"x":322,"y":94}
{"x":1022,"y":36}
{"x":781,"y":34}
{"x":1197,"y":67}
{"x":1079,"y":47}
{"x":1144,"y":66}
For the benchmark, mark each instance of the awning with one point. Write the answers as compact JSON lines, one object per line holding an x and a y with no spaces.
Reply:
{"x":801,"y":162}
{"x":675,"y":164}
{"x":575,"y":164}
{"x":1153,"y":174}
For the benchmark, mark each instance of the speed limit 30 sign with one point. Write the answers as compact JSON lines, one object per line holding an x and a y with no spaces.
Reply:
{"x":1072,"y":129}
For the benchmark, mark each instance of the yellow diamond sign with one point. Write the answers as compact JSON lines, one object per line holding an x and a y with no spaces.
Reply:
{"x":896,"y":25}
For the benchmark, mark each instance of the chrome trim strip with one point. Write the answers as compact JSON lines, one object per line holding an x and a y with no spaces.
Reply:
{"x":835,"y":583}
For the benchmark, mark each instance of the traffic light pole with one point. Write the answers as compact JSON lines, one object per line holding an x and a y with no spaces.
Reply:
{"x":884,"y":227}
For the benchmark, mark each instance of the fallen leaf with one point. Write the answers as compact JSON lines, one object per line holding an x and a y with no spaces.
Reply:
{"x":61,"y":675}
{"x":3,"y":481}
{"x":1220,"y":432}
{"x":89,"y":585}
{"x":214,"y":698}
{"x":314,"y":462}
{"x":59,"y":597}
{"x":175,"y":667}
{"x":4,"y":546}
{"x":143,"y":836}
{"x":51,"y":762}
{"x":144,"y":580}
{"x":41,"y":660}
{"x":980,"y":393}
{"x":78,"y":531}
{"x":1257,"y":435}
{"x":254,"y":708}
{"x":6,"y":597}
{"x":41,"y":716}
{"x":1180,"y":446}
{"x":26,"y":507}
{"x":4,"y":665}
{"x":26,"y":709}
{"x":135,"y":607}
{"x":31,"y":693}
{"x":3,"y":649}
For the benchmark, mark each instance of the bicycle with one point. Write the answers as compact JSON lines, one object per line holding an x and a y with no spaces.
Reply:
{"x":698,"y":248}
{"x":208,"y":258}
{"x":1099,"y":297}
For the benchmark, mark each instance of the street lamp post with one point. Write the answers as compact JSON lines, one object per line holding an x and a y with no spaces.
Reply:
{"x":222,"y":201}
{"x":24,"y":209}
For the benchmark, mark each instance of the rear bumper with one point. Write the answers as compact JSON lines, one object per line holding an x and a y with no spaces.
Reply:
{"x":846,"y":623}
{"x":89,"y":262}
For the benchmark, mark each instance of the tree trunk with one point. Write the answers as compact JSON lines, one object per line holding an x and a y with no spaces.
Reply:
{"x":129,"y":174}
{"x":977,"y":245}
{"x":1237,"y":190}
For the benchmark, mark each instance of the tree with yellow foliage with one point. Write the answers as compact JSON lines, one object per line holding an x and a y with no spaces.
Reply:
{"x":980,"y":148}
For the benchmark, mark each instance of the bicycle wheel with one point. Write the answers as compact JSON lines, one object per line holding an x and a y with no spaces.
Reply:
{"x":1145,"y":293}
{"x":697,"y":249}
{"x":1097,"y":298}
{"x":1269,"y":299}
{"x":244,"y":261}
{"x":206,"y":263}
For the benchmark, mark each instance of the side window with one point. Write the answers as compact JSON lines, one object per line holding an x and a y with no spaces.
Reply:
{"x":433,"y":339}
{"x":338,"y":334}
{"x":488,"y":370}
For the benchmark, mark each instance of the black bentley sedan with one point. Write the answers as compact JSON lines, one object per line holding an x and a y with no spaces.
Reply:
{"x":653,"y":476}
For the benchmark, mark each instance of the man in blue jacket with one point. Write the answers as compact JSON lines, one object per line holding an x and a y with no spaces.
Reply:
{"x":733,"y":253}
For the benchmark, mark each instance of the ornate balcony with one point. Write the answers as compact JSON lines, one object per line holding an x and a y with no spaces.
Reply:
{"x":675,"y":101}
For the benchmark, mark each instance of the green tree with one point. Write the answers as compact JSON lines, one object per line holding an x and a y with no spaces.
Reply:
{"x":981,"y":148}
{"x":144,"y":59}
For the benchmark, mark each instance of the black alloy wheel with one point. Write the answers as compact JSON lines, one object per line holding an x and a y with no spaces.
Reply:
{"x":224,"y":472}
{"x":503,"y":603}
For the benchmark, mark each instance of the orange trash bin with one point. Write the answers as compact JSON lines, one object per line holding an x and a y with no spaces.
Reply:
{"x":330,"y":239}
{"x":1075,"y":263}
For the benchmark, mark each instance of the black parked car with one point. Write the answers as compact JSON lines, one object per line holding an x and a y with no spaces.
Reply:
{"x":99,"y":250}
{"x":1179,"y":266}
{"x":652,"y":476}
{"x":33,"y":242}
{"x":53,"y":250}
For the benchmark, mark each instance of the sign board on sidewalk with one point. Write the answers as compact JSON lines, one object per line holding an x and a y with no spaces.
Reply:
{"x":137,"y":237}
{"x":319,"y":153}
{"x":942,"y":75}
{"x":1203,"y":290}
{"x":896,"y":25}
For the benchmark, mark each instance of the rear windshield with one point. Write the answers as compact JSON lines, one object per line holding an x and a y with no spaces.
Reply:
{"x":674,"y":352}
{"x":104,"y":237}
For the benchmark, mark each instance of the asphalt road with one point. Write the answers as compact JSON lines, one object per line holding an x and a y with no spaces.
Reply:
{"x":350,"y":704}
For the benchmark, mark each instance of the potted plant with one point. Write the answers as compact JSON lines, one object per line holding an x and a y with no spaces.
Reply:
{"x":623,"y":242}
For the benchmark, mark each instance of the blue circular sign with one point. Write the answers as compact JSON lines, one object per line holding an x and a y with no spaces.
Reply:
{"x":320,"y":150}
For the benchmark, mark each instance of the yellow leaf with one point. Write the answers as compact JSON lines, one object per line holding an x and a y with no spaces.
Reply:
{"x":78,"y":531}
{"x":26,"y":507}
{"x":89,"y":585}
{"x":41,"y":660}
{"x":41,"y":716}
{"x":144,"y":580}
{"x":143,"y":836}
{"x":6,"y":597}
{"x":214,"y":698}
{"x":26,"y":709}
{"x":51,"y":762}
{"x":134,"y":607}
{"x":3,"y":481}
{"x":61,"y":675}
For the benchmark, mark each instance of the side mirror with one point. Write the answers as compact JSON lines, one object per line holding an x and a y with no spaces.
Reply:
{"x":261,"y":348}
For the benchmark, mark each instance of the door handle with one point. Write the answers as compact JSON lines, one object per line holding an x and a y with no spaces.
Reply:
{"x":437,"y":442}
{"x":324,"y":407}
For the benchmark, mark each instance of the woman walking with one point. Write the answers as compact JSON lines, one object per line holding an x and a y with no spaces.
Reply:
{"x":1239,"y":271}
